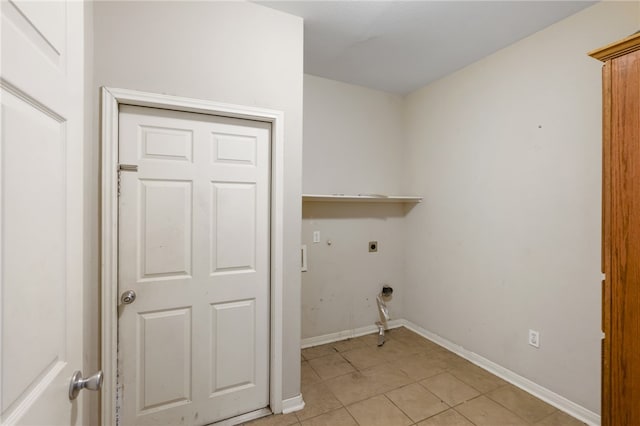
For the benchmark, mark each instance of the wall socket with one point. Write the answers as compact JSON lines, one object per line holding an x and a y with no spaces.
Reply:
{"x":534,"y":338}
{"x":373,"y":246}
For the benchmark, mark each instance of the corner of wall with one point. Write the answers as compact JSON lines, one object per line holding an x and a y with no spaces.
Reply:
{"x":507,"y":153}
{"x":351,"y":136}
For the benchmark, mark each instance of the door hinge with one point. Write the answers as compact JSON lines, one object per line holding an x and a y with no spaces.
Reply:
{"x":125,"y":168}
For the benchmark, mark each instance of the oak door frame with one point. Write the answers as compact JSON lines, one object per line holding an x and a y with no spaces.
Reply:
{"x":112,"y":98}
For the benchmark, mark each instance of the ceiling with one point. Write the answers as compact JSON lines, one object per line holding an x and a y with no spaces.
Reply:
{"x":400,"y":46}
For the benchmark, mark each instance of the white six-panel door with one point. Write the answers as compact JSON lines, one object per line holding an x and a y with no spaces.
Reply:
{"x":41,"y":205}
{"x":194,"y":247}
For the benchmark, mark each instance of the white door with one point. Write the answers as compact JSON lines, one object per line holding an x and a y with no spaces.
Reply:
{"x":41,"y":208}
{"x":193,"y":347}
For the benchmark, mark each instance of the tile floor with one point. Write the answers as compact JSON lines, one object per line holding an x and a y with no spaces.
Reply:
{"x":408,"y":381}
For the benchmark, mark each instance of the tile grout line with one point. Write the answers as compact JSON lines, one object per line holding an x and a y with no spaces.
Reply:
{"x":486,"y":394}
{"x":388,"y":359}
{"x":465,"y":417}
{"x":395,"y":405}
{"x":354,"y":419}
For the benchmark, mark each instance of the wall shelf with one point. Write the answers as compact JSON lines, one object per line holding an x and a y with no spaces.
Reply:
{"x":360,"y":198}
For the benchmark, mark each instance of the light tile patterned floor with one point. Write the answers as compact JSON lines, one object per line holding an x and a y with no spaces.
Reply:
{"x":408,"y":381}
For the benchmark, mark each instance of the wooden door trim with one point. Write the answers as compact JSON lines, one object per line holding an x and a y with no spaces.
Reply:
{"x":605,"y":411}
{"x":112,"y":98}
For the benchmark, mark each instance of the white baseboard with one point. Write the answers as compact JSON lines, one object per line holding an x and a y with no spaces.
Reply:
{"x":347,"y":334}
{"x":292,"y":404}
{"x":552,"y":398}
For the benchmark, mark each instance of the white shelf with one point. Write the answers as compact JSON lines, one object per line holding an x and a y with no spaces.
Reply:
{"x":360,"y":198}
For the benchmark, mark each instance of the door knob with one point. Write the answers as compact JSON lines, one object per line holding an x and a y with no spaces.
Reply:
{"x":128,"y":297}
{"x":78,"y":383}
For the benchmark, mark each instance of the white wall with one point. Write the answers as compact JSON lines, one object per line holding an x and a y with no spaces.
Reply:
{"x":507,"y":152}
{"x":343,"y":279}
{"x":353,"y":144}
{"x":233,"y":52}
{"x":353,"y":139}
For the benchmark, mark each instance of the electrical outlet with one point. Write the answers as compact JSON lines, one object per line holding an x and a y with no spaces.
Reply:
{"x":534,"y":338}
{"x":373,"y":246}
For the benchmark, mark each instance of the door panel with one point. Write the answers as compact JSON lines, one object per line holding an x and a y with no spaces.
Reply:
{"x":41,"y":207}
{"x":234,"y":149}
{"x":47,"y":18}
{"x":233,"y":233}
{"x":194,"y":246}
{"x":165,"y":204}
{"x":233,"y":338}
{"x":33,"y":274}
{"x":166,"y":144}
{"x":171,"y":357}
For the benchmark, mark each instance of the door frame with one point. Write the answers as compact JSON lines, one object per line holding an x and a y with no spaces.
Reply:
{"x":112,"y":98}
